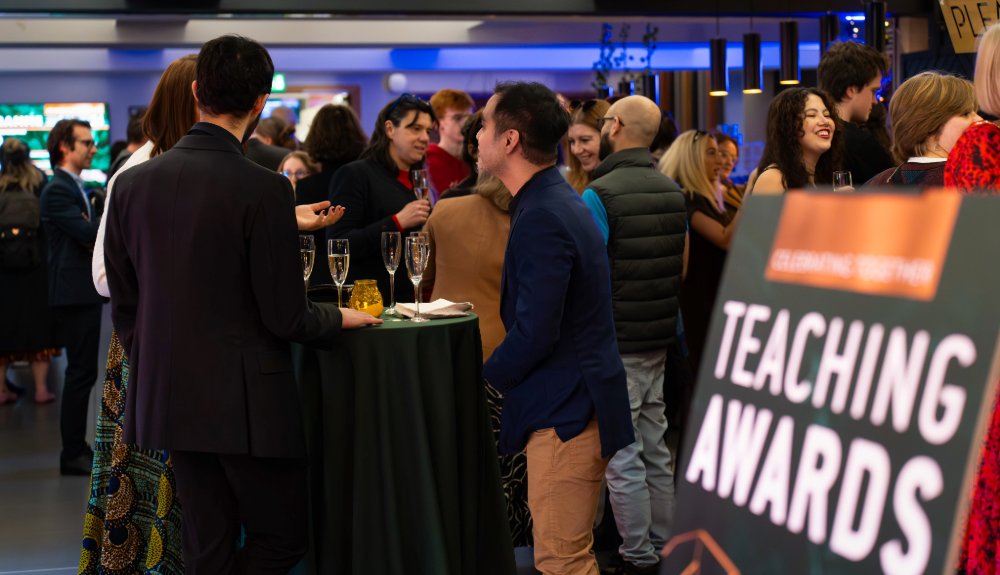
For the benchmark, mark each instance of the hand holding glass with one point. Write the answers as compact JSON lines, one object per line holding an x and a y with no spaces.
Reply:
{"x":339,"y":257}
{"x":417,"y":253}
{"x":390,"y":257}
{"x":307,"y":247}
{"x":421,"y":183}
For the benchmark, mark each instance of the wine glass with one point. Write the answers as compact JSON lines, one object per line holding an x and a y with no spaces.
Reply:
{"x":417,"y":252}
{"x":424,"y":237}
{"x":307,"y":247}
{"x":842,"y":182}
{"x":421,"y":183}
{"x":339,"y":256}
{"x":390,"y":257}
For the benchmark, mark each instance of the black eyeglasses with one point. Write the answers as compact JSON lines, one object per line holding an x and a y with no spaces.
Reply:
{"x":404,"y":98}
{"x":86,"y":143}
{"x":600,"y":122}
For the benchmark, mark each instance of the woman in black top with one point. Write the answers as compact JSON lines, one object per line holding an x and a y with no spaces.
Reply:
{"x":335,"y":138}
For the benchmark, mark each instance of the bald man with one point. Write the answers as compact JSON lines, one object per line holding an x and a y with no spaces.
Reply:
{"x":642,"y":216}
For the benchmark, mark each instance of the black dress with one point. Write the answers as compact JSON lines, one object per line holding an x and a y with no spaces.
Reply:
{"x":25,"y":325}
{"x":701,"y":285}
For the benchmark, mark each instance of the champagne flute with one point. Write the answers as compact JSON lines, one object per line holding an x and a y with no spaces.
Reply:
{"x":421,"y":183}
{"x":417,"y":252}
{"x":339,"y":257}
{"x":424,"y":237}
{"x":307,"y":247}
{"x":390,"y":257}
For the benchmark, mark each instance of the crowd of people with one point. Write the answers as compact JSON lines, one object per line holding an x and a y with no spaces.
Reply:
{"x":586,"y":275}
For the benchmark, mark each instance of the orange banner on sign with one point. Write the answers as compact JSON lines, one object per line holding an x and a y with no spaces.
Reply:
{"x":880,"y":244}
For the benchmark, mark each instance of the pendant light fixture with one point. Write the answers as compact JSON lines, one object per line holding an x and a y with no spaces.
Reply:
{"x":829,"y":30}
{"x":751,"y":64}
{"x":719,"y":76}
{"x":789,"y":53}
{"x":875,"y":24}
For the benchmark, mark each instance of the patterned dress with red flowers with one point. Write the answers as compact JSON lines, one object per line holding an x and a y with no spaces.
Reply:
{"x":974,"y":167}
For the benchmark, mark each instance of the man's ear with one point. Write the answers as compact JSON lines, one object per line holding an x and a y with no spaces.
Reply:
{"x":258,"y":105}
{"x":512,"y":138}
{"x":851,"y":92}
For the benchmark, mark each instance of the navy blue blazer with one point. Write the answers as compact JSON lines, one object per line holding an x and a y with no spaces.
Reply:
{"x":559,"y":365}
{"x":71,"y":242}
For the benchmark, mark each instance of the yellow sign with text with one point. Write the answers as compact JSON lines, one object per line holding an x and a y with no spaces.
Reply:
{"x":967,"y":20}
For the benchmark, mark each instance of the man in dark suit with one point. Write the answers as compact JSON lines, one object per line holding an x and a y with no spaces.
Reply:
{"x":206,"y":289}
{"x":71,"y":222}
{"x":265,"y":154}
{"x":565,"y":398}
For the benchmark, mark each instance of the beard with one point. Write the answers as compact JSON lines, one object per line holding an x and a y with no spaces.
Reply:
{"x":250,"y":130}
{"x":606,"y":149}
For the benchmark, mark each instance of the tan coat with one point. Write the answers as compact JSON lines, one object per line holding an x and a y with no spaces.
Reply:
{"x":468,"y":239}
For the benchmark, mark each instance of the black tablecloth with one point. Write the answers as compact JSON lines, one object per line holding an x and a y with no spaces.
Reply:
{"x":403,"y":464}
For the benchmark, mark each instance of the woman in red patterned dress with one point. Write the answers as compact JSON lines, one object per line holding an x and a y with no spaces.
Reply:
{"x":974,"y":167}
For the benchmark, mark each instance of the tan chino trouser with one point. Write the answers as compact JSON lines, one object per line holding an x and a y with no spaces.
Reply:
{"x":564,"y":481}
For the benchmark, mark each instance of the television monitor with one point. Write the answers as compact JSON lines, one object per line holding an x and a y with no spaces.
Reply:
{"x":294,"y":103}
{"x":31,"y":123}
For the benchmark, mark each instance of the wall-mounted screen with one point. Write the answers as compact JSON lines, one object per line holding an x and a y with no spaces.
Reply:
{"x":31,"y":123}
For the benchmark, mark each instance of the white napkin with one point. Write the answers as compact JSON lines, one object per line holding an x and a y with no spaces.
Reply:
{"x":436,"y":309}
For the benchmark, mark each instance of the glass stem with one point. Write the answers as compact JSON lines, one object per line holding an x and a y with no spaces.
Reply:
{"x":417,"y":298}
{"x":339,"y":302}
{"x":392,"y":290}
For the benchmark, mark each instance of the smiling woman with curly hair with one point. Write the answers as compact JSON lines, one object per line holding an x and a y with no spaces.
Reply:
{"x":803,"y":146}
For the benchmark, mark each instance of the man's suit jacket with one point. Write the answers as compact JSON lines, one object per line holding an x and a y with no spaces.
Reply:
{"x":71,"y":241}
{"x":559,"y":364}
{"x":203,"y":263}
{"x":265,"y":154}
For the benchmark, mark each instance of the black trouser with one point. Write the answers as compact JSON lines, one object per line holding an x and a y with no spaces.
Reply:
{"x":78,"y":328}
{"x":219,"y":494}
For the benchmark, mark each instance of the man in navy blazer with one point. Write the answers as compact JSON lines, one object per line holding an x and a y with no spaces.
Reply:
{"x":71,"y":221}
{"x":565,"y":397}
{"x":206,"y":287}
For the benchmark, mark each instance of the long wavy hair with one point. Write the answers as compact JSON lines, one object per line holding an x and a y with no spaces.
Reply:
{"x":173,"y":110}
{"x":587,"y":113}
{"x":684,"y":163}
{"x":783,"y":147}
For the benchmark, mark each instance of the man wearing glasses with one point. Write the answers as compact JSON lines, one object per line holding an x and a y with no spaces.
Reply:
{"x":71,"y":222}
{"x":444,"y":159}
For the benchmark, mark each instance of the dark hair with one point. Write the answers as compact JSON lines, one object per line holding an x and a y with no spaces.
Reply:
{"x":133,"y":133}
{"x":17,"y":171}
{"x":62,"y":133}
{"x":394,"y":111}
{"x":335,"y":136}
{"x":534,"y":112}
{"x":233,"y":72}
{"x":470,"y":142}
{"x":783,"y":148}
{"x":279,"y":131}
{"x":172,"y":110}
{"x":847,"y":64}
{"x":666,"y":134}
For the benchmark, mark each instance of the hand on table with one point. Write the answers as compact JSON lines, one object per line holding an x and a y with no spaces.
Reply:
{"x":311,"y":217}
{"x":353,"y":319}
